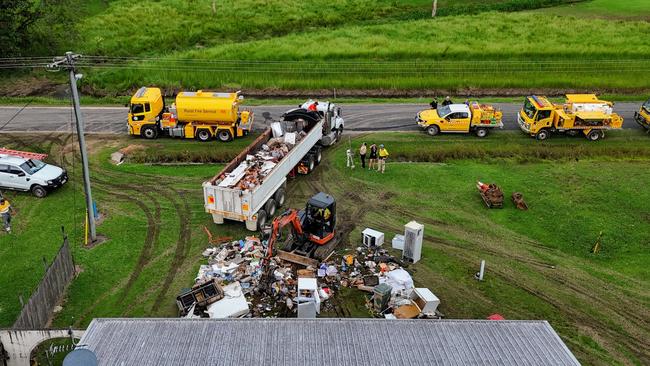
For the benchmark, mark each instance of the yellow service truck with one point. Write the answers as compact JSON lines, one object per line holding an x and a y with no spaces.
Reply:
{"x":201,"y":115}
{"x":642,"y":117}
{"x":460,"y":118}
{"x":581,"y":114}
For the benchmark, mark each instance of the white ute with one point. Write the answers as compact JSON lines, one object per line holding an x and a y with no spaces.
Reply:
{"x":21,"y":173}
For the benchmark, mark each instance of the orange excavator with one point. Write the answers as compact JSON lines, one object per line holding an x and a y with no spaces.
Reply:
{"x":313,"y":233}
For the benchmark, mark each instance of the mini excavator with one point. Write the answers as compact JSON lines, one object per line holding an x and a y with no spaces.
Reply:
{"x":313,"y":235}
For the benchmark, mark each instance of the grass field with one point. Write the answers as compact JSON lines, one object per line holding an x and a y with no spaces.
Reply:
{"x":366,"y":45}
{"x":539,"y":264}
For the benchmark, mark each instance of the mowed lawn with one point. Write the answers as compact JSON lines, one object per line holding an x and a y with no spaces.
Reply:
{"x":539,"y":262}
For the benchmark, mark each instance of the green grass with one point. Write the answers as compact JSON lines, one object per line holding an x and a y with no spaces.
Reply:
{"x":443,"y":53}
{"x":629,"y":9}
{"x":539,"y":261}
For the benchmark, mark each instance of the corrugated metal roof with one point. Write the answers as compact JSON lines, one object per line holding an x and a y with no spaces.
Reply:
{"x":289,"y":342}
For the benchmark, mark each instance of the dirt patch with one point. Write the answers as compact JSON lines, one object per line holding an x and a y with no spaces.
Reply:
{"x":101,"y":239}
{"x":132,"y":148}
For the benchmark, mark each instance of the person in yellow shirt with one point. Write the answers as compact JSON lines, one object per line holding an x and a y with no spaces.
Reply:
{"x":6,"y":210}
{"x":383,"y":155}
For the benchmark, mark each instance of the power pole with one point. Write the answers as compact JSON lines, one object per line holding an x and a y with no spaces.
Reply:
{"x":68,"y":62}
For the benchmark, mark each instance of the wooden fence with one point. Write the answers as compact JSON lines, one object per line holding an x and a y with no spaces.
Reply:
{"x":39,"y":309}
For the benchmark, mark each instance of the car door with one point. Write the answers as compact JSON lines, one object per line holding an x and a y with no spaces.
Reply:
{"x":456,"y":121}
{"x":17,"y":177}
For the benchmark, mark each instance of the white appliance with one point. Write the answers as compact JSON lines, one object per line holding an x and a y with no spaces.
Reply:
{"x":425,"y":300}
{"x":398,"y":242}
{"x":372,"y":238}
{"x":308,"y":299}
{"x":413,"y":235}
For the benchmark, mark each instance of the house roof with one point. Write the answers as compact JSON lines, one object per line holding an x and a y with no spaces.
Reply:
{"x":300,"y":342}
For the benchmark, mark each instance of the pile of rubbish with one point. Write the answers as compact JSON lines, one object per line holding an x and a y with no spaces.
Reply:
{"x":491,"y":193}
{"x":252,"y":171}
{"x":249,"y":285}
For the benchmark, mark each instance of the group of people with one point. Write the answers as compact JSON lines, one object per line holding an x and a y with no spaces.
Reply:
{"x":377,"y":156}
{"x":434,"y":102}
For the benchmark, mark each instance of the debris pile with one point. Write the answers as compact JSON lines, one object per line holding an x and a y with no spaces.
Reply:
{"x":252,"y":171}
{"x":251,"y":285}
{"x":491,"y":193}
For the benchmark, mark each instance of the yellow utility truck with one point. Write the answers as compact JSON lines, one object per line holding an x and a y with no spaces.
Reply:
{"x":460,"y":118}
{"x":642,"y":117}
{"x":581,"y":114}
{"x":201,"y":115}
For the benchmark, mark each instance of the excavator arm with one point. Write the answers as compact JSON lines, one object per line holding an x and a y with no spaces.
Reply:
{"x":288,"y":217}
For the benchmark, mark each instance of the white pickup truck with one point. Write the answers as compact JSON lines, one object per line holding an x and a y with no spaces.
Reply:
{"x":256,"y":205}
{"x":21,"y":173}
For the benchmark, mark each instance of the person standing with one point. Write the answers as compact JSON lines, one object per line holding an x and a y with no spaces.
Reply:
{"x":383,"y":155}
{"x":362,"y":153}
{"x":373,"y":156}
{"x":447,"y":101}
{"x":6,"y":210}
{"x":434,"y":103}
{"x":313,"y":107}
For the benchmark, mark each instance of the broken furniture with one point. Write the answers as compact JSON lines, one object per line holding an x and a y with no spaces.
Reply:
{"x":372,"y":238}
{"x":491,"y":194}
{"x":518,"y":200}
{"x":381,"y":296}
{"x":201,"y":295}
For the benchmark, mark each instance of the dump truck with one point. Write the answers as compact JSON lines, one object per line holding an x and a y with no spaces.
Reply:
{"x":581,"y":114}
{"x":460,"y":118}
{"x":642,"y":117}
{"x":253,"y":185}
{"x":200,"y":115}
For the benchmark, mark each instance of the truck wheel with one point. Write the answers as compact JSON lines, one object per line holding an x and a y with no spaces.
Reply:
{"x":481,"y":132}
{"x":311,"y":164}
{"x":433,"y":130}
{"x":38,"y":191}
{"x":594,"y":135}
{"x":318,"y":154}
{"x":261,"y":219}
{"x":279,"y":197}
{"x":543,"y":135}
{"x":203,"y":135}
{"x":224,"y":136}
{"x":269,"y":207}
{"x":149,"y":132}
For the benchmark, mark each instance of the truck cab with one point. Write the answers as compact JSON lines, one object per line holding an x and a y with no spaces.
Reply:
{"x":330,"y":113}
{"x":460,"y":118}
{"x":642,"y":117}
{"x":145,"y":109}
{"x":535,"y":116}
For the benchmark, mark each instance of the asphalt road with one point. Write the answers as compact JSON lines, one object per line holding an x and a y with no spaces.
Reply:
{"x":358,"y":117}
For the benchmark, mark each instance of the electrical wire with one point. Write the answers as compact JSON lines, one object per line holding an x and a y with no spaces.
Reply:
{"x":16,"y":114}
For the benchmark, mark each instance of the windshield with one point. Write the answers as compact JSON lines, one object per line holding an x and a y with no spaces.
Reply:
{"x":31,"y":166}
{"x":444,"y":111}
{"x":529,"y":109}
{"x":646,"y":105}
{"x":137,"y":108}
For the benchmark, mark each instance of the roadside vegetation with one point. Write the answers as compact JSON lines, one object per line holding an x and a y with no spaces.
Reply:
{"x":540,"y":264}
{"x":484,"y":47}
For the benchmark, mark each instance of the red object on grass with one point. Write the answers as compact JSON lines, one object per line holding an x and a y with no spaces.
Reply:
{"x":496,"y":317}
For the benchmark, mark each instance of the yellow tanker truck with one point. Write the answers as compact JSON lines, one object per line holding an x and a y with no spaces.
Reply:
{"x":581,"y":114}
{"x":200,"y":115}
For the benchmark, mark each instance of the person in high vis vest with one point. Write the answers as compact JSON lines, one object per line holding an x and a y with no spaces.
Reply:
{"x":383,"y":155}
{"x":6,"y":211}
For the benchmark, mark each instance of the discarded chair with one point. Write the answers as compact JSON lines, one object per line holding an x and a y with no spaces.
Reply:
{"x":518,"y":200}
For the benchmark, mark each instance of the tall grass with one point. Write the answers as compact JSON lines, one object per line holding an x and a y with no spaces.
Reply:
{"x":489,"y":50}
